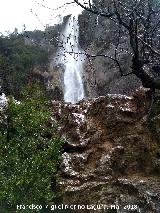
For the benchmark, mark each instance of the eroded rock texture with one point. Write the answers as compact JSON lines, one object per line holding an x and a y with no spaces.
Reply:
{"x":110,"y":155}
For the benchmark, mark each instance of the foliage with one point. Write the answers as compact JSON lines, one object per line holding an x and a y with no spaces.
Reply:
{"x":16,"y":62}
{"x":29,"y":152}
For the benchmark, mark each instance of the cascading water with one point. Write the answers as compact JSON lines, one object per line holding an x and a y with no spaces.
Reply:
{"x":70,"y":55}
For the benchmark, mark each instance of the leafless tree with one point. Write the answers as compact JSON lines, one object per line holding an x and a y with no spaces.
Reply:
{"x":139,"y":21}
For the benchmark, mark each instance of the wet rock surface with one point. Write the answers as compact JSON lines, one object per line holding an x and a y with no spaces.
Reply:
{"x":51,"y":77}
{"x":110,"y":156}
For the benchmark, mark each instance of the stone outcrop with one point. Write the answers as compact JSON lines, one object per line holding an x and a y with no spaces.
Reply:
{"x":110,"y":156}
{"x":51,"y":77}
{"x":99,"y":36}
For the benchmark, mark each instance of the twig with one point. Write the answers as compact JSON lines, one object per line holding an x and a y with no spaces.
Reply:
{"x":89,"y":9}
{"x":102,"y":55}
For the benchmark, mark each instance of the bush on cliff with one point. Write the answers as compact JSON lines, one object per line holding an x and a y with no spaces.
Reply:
{"x":29,"y":152}
{"x":17,"y":61}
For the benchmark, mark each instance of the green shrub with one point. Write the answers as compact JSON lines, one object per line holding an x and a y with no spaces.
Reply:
{"x":29,"y":152}
{"x":17,"y":61}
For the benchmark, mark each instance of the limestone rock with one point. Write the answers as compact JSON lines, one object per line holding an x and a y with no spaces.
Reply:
{"x":98,"y":36}
{"x":52,"y":78}
{"x":110,"y":158}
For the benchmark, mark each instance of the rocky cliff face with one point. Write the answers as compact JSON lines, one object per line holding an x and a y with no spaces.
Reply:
{"x":51,"y":75}
{"x":101,"y":75}
{"x":99,"y":36}
{"x":110,"y":156}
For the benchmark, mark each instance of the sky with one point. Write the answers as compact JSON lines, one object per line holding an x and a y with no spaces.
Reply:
{"x":32,"y":13}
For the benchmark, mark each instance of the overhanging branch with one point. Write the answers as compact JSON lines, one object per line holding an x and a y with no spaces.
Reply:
{"x":102,"y":55}
{"x":147,"y":45}
{"x":89,"y":9}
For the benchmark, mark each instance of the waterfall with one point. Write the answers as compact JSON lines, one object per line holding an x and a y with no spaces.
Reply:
{"x":70,"y":55}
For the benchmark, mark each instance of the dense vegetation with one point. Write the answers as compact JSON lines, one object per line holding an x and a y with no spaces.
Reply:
{"x":16,"y":62}
{"x":29,"y":151}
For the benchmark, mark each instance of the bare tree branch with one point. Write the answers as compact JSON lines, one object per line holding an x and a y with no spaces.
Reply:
{"x":150,"y":47}
{"x":100,"y":55}
{"x":95,"y":11}
{"x":60,"y":7}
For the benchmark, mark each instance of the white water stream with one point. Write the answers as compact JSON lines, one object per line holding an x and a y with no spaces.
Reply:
{"x":70,"y":55}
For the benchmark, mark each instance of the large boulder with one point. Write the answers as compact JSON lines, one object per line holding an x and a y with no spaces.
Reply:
{"x":110,"y":157}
